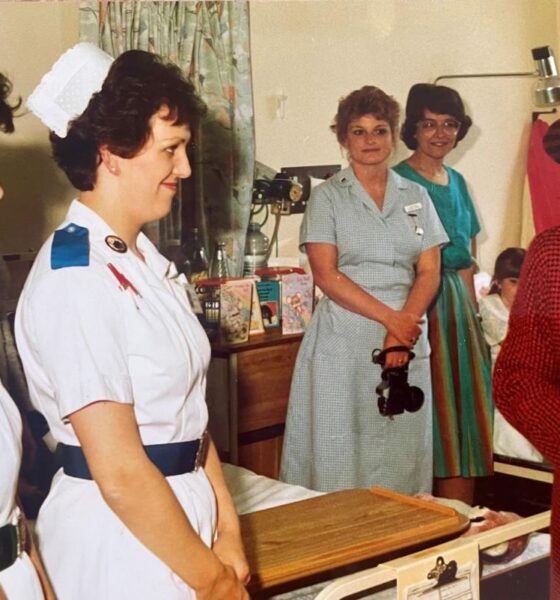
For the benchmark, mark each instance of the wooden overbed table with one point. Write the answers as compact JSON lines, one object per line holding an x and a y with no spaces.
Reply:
{"x":302,"y":539}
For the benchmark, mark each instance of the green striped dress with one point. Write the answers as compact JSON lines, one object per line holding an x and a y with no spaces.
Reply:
{"x":460,"y":360}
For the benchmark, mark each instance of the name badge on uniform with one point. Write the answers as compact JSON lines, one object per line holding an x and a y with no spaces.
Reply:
{"x":412,"y":211}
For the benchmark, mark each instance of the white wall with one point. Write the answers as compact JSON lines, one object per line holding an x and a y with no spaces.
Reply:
{"x":32,"y":37}
{"x":317,"y":51}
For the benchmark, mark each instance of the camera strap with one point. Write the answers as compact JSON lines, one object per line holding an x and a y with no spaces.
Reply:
{"x":378,"y":356}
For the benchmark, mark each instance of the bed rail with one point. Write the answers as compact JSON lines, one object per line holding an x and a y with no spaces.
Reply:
{"x":523,"y":468}
{"x":369,"y":578}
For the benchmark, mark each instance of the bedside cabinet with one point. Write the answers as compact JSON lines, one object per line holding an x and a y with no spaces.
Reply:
{"x":247,"y":396}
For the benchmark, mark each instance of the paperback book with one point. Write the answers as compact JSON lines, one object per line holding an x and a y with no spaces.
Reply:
{"x":269,"y":300}
{"x":235,"y":310}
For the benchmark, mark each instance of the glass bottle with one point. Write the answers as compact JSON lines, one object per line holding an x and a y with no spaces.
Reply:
{"x":219,"y":268}
{"x":256,"y":249}
{"x":174,"y":253}
{"x":195,"y":265}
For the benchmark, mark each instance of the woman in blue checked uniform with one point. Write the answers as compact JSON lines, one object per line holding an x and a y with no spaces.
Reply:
{"x":373,"y":242}
{"x":114,"y":355}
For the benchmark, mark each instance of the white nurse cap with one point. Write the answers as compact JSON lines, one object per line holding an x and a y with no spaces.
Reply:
{"x":65,"y":91}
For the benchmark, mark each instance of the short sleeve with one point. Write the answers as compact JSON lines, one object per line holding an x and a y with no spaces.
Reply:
{"x":72,"y":322}
{"x":469,"y":206}
{"x":318,"y":223}
{"x":434,"y":231}
{"x":494,"y":326}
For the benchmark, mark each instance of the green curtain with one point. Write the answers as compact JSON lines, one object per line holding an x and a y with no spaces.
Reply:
{"x":210,"y":42}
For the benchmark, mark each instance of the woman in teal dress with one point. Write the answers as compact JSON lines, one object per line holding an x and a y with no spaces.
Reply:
{"x":460,"y":362}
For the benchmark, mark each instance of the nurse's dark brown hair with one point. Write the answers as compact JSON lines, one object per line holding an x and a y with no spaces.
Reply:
{"x":508,"y":266}
{"x":438,"y":99}
{"x":137,"y":86}
{"x":7,"y":110}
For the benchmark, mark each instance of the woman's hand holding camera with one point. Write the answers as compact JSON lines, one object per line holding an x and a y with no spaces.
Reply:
{"x":394,"y":359}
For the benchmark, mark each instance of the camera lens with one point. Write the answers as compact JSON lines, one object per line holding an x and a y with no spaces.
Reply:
{"x":415,"y":399}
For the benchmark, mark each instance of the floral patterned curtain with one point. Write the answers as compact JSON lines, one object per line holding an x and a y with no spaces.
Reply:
{"x":210,"y":42}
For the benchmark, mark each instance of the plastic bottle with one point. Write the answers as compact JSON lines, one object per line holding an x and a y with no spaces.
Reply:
{"x":195,"y":265}
{"x":256,"y":248}
{"x":219,"y":268}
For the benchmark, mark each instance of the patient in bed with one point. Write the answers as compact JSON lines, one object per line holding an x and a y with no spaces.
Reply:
{"x":494,"y":312}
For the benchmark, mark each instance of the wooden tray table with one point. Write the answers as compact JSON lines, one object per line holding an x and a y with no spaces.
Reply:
{"x":305,"y":538}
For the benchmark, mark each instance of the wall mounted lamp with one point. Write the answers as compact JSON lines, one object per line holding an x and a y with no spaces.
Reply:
{"x":546,"y":90}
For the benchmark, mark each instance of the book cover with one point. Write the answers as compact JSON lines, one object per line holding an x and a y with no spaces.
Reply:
{"x":297,"y":302}
{"x":235,"y":310}
{"x":269,"y":300}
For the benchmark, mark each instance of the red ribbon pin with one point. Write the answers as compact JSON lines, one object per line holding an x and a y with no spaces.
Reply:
{"x":123,"y":281}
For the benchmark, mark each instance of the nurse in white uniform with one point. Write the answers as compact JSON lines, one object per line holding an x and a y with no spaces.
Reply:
{"x":21,"y":573}
{"x":115,"y":357}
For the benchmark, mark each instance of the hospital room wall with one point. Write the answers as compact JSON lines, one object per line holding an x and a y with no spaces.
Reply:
{"x":313,"y":52}
{"x":32,"y":36}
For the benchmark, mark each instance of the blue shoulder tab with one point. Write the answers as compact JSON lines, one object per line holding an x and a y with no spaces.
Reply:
{"x":70,"y":247}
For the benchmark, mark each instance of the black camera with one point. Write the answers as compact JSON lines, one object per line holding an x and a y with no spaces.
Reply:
{"x":395,"y":395}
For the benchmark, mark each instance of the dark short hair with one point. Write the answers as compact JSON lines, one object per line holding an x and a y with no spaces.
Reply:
{"x":508,"y":264}
{"x":7,"y":110}
{"x":137,"y":86}
{"x":438,"y":99}
{"x":368,"y":100}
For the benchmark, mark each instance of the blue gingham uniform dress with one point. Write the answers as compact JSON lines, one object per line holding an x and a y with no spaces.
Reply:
{"x":335,"y":437}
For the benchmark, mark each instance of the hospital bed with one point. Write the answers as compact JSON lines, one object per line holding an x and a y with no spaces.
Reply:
{"x":524,"y":577}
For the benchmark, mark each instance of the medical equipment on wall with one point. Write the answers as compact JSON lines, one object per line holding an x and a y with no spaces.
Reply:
{"x":282,"y":193}
{"x":546,"y":90}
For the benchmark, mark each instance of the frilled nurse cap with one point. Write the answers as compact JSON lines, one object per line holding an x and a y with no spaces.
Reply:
{"x":65,"y":91}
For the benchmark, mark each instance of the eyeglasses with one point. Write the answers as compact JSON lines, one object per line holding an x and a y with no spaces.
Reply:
{"x":449,"y":126}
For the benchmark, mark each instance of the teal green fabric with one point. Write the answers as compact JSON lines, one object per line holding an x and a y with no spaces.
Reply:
{"x":460,"y":360}
{"x":463,"y":413}
{"x":210,"y":42}
{"x":455,"y":209}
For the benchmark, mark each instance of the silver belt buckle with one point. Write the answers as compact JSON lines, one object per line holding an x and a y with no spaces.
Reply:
{"x":200,"y":457}
{"x":21,"y":533}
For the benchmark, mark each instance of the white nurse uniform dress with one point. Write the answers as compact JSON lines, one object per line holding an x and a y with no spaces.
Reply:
{"x":108,"y":326}
{"x":19,"y":581}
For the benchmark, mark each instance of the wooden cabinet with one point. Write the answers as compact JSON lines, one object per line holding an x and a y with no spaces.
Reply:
{"x":248,"y":390}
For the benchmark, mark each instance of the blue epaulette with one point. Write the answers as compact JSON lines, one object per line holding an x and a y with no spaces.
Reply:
{"x":70,"y":247}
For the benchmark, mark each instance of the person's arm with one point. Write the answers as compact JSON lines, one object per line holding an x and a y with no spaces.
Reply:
{"x":36,"y":560}
{"x":494,"y":323}
{"x":140,"y":496}
{"x":526,"y":382}
{"x":467,"y":275}
{"x":426,"y":282}
{"x":228,"y":545}
{"x":403,"y":325}
{"x":43,"y":578}
{"x":424,"y":288}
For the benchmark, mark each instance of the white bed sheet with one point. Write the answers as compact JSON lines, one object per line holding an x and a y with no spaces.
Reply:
{"x":252,"y":492}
